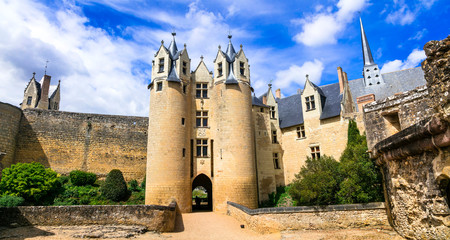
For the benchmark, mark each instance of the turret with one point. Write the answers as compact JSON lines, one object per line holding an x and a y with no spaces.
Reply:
{"x":168,"y":148}
{"x":234,"y":162}
{"x":371,"y":71}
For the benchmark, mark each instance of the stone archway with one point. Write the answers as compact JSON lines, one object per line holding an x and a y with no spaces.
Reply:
{"x":203,"y":181}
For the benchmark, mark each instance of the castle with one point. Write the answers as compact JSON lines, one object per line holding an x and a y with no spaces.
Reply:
{"x":204,"y":128}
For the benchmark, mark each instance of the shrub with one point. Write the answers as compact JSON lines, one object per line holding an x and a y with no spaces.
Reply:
{"x":115,"y":187}
{"x":80,"y":178}
{"x":31,"y":181}
{"x":317,"y":182}
{"x":134,"y":186}
{"x":11,"y":201}
{"x":143,"y":183}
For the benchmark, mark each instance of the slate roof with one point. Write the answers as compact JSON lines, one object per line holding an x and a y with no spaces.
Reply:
{"x":290,"y":111}
{"x":331,"y":107}
{"x":257,"y":102}
{"x":395,"y":82}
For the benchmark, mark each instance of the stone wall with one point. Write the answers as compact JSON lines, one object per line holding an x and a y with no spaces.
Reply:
{"x":409,"y":137}
{"x":9,"y":126}
{"x":154,"y":217}
{"x":385,"y":117}
{"x":333,"y":217}
{"x":66,"y":141}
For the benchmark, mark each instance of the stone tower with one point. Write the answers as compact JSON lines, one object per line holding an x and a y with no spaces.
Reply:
{"x":36,"y":94}
{"x":234,"y":156}
{"x":371,"y":71}
{"x":168,"y":168}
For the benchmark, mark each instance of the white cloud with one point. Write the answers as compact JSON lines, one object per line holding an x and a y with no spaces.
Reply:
{"x":402,"y":16}
{"x":324,"y":27}
{"x":419,"y":35}
{"x":413,"y":60}
{"x":404,"y":13}
{"x":293,"y":77}
{"x":95,"y":68}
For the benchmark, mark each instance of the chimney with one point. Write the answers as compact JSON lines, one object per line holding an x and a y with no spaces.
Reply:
{"x":345,"y":77}
{"x":341,"y":79}
{"x":299,"y":91}
{"x":265,"y":99}
{"x":278,"y":93}
{"x":45,"y":85}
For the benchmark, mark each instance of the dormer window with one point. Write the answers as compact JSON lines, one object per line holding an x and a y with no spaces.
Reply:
{"x":161,"y":65}
{"x":29,"y":100}
{"x":310,"y":103}
{"x":242,"y":68}
{"x":184,"y":68}
{"x":219,"y":69}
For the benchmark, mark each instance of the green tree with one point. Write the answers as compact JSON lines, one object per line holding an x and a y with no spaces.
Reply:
{"x":362,"y":180}
{"x":317,"y":182}
{"x":115,"y":187}
{"x":31,"y":181}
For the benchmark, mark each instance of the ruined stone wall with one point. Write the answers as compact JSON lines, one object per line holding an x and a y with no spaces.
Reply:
{"x":333,"y":217}
{"x":388,"y":116}
{"x":67,"y":141}
{"x":9,"y":127}
{"x":409,"y":137}
{"x":155,"y":218}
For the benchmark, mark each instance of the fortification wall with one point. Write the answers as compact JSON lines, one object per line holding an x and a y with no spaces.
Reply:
{"x":333,"y":217}
{"x":9,"y":126}
{"x":66,"y":141}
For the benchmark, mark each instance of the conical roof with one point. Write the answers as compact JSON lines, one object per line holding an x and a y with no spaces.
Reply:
{"x":173,"y":50}
{"x":231,"y":53}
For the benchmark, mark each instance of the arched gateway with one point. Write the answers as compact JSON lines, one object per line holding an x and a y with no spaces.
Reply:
{"x":203,"y":181}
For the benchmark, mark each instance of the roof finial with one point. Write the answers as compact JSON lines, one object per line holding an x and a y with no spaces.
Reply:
{"x":173,"y":32}
{"x":162,"y":42}
{"x":201,"y":57}
{"x":34,"y":73}
{"x":229,"y":34}
{"x":45,"y":71}
{"x":185,"y":46}
{"x":307,"y":77}
{"x":220,"y":47}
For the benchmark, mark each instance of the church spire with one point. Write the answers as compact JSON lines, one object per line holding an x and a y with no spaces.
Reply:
{"x":367,"y":54}
{"x":173,"y":46}
{"x":371,"y":71}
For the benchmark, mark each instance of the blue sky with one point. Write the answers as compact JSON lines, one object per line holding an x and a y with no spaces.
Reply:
{"x":102,"y":50}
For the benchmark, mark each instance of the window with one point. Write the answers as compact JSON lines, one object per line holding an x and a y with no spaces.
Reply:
{"x":202,"y":147}
{"x":274,"y":136}
{"x":315,"y":152}
{"x":55,"y":106}
{"x":182,"y":121}
{"x":276,"y":161}
{"x":184,"y":68}
{"x":310,"y":104}
{"x":261,"y":109}
{"x":201,"y":119}
{"x":159,"y":86}
{"x":219,"y":69}
{"x":184,"y":88}
{"x":184,"y":152}
{"x":161,"y":65}
{"x":29,"y":100}
{"x":242,"y":68}
{"x":201,"y":90}
{"x":301,"y":132}
{"x":272,"y":112}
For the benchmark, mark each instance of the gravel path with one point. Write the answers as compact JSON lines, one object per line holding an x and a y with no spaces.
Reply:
{"x":200,"y":225}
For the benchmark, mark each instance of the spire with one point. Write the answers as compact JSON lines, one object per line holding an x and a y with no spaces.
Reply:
{"x":173,"y":46}
{"x":367,"y":54}
{"x":230,"y":50}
